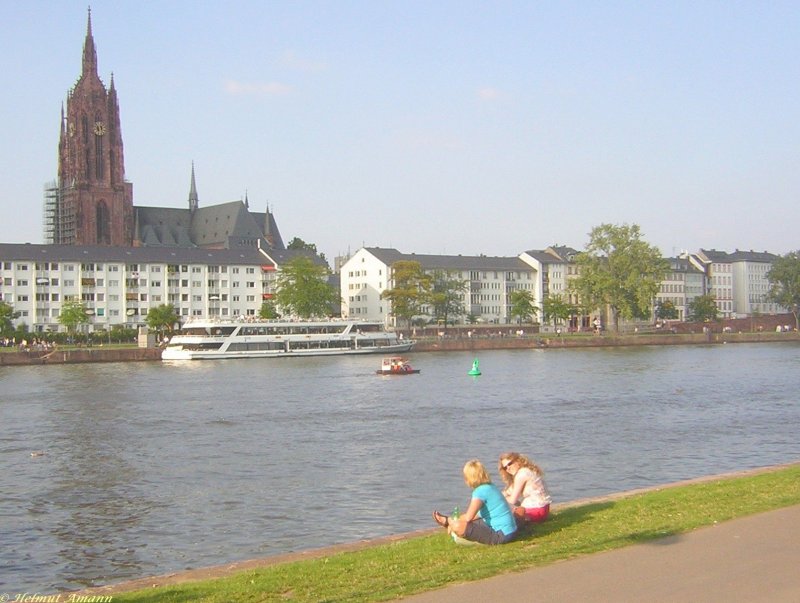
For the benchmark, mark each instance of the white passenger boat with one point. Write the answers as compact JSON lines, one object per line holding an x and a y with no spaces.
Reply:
{"x":207,"y":339}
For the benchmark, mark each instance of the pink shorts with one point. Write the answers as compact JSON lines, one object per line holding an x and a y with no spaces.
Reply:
{"x":534,"y":515}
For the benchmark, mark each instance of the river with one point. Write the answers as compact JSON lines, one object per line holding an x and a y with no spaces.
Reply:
{"x":118,"y":471}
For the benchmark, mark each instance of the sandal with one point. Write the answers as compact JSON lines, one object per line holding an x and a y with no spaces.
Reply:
{"x":442,"y":520}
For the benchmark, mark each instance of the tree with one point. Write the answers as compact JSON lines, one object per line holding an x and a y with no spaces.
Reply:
{"x":268,"y":310}
{"x":446,"y":296}
{"x":620,"y":271}
{"x":411,"y":289}
{"x":7,"y":316}
{"x":784,"y":278}
{"x":162,"y":318}
{"x":298,"y":244}
{"x":302,"y":289}
{"x":554,"y":308}
{"x":73,"y":313}
{"x":522,"y":305}
{"x":703,"y":308}
{"x":666,"y":310}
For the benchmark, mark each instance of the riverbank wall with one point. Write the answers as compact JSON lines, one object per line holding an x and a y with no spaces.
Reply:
{"x":428,"y":344}
{"x":79,"y":356}
{"x":513,"y":342}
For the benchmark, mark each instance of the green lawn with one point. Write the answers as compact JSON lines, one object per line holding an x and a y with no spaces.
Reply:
{"x":385,"y":572}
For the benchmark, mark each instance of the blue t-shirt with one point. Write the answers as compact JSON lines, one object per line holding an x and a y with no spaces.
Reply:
{"x":495,"y":510}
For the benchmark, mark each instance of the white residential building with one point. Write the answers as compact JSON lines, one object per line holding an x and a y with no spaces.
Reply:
{"x":118,"y":285}
{"x":738,"y":281}
{"x":684,"y":282}
{"x":490,"y":281}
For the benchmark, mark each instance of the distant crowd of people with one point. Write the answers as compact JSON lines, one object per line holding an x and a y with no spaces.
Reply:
{"x":23,"y":345}
{"x":495,"y":516}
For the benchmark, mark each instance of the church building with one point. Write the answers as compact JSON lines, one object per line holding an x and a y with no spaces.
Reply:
{"x":91,"y":203}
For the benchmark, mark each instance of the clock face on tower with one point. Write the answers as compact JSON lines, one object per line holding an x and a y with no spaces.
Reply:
{"x":99,"y":128}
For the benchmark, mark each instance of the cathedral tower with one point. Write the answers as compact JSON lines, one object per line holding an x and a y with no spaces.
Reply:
{"x":95,"y":203}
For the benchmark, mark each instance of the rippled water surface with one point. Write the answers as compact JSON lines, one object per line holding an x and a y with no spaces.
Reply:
{"x":148,"y":468}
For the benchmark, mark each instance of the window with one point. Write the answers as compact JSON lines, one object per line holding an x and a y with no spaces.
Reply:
{"x":22,"y":283}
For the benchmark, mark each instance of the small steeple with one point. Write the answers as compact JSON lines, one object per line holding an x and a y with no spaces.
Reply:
{"x":246,"y":200}
{"x":89,"y":52}
{"x":194,"y":202}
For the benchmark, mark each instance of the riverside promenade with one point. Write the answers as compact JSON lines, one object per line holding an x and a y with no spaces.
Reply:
{"x":750,"y":559}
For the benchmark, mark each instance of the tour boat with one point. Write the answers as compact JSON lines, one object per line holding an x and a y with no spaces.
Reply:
{"x":211,"y":339}
{"x":396,"y":365}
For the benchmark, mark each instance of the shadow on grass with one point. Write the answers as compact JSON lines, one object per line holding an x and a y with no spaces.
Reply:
{"x":563,"y":520}
{"x":569,"y":518}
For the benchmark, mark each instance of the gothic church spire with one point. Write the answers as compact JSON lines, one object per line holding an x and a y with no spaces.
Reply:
{"x":194,"y":202}
{"x":89,"y":52}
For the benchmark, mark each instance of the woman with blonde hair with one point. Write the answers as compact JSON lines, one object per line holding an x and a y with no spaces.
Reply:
{"x":496,"y":524}
{"x":525,"y":489}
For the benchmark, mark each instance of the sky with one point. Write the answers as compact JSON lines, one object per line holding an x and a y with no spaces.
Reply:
{"x":436,"y":127}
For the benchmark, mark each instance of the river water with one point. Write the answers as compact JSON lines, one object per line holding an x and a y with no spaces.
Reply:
{"x":117,"y":471}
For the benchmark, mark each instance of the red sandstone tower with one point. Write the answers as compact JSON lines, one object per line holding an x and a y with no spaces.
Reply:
{"x":95,"y":203}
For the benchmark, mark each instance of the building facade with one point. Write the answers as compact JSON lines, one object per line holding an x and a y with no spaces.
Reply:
{"x":486,"y":298}
{"x":119,"y":285}
{"x":738,"y":281}
{"x":682,"y":284}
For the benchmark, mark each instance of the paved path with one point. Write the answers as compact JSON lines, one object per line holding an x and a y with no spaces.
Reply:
{"x":751,"y":559}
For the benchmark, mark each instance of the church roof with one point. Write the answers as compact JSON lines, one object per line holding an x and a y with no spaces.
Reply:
{"x":227,"y":225}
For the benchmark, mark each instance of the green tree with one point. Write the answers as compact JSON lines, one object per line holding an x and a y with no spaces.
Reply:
{"x":411,"y":290}
{"x":302,"y":289}
{"x":666,"y":310}
{"x":620,"y":271}
{"x":268,"y":310}
{"x":703,"y":308}
{"x":554,"y":308}
{"x":162,"y":318}
{"x":522,"y":305}
{"x":298,"y":244}
{"x":784,"y":278}
{"x":73,"y":313}
{"x":7,"y":316}
{"x":446,"y":296}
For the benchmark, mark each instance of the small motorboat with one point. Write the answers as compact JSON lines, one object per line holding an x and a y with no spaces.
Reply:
{"x":395,"y":365}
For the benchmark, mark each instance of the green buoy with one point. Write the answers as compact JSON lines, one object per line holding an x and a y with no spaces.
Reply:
{"x":474,"y":371}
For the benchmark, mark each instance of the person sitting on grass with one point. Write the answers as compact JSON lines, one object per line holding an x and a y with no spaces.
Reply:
{"x":525,"y":489}
{"x":495,"y":525}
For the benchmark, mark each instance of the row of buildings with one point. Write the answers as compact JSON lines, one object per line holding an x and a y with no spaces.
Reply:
{"x":118,"y":285}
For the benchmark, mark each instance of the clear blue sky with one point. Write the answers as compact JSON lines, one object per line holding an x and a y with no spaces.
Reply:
{"x":433,"y":127}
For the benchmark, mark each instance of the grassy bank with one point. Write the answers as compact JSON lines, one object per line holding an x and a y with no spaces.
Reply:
{"x":422,"y":563}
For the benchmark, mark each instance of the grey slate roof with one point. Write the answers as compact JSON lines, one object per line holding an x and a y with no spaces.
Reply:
{"x":723,"y":257}
{"x":223,"y":225}
{"x":26,"y":252}
{"x":450,"y":262}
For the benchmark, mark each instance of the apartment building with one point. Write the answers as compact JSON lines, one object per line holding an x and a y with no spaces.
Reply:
{"x":682,"y":284}
{"x":738,"y":281}
{"x":490,"y":281}
{"x":119,"y":285}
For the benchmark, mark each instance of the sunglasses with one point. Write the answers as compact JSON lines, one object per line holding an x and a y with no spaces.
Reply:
{"x":508,"y":464}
